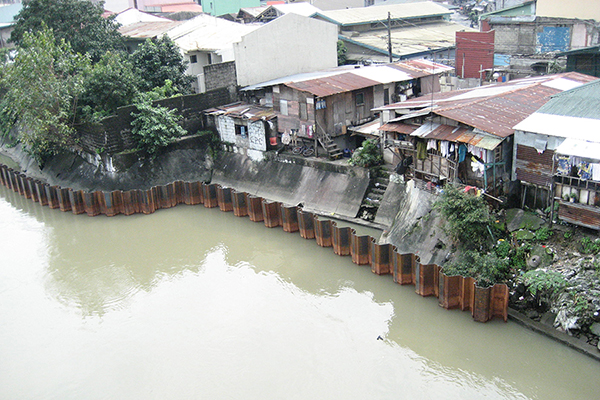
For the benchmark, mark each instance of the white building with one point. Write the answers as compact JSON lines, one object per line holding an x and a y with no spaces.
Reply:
{"x":288,"y":45}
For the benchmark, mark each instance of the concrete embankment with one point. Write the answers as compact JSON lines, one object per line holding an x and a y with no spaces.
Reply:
{"x":323,"y":188}
{"x":185,"y":160}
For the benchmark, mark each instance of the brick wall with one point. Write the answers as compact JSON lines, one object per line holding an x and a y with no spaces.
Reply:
{"x":113,"y":134}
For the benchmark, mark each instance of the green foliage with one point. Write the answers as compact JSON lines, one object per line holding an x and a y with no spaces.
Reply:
{"x":341,"y":53}
{"x":543,"y":234}
{"x":589,"y":246}
{"x":467,"y":218}
{"x":154,"y":127}
{"x":487,"y":269}
{"x":518,"y":260}
{"x":545,"y":283}
{"x":79,"y":22}
{"x":369,"y":155}
{"x":159,"y":60}
{"x":42,"y":86}
{"x":110,"y":84}
{"x":212,"y":141}
{"x":503,"y":249}
{"x":568,"y":235}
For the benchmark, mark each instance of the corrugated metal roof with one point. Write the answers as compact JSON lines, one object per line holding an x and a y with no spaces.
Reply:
{"x":133,"y":16}
{"x":561,"y":126}
{"x":355,"y":77}
{"x":301,"y":8}
{"x":420,"y":39}
{"x":497,"y":108}
{"x":370,"y":128}
{"x":582,"y":101}
{"x":203,"y":32}
{"x":398,"y":127}
{"x":247,"y":111}
{"x":252,"y":11}
{"x":148,"y":29}
{"x":458,"y":134}
{"x":365,"y":15}
{"x":331,"y":85}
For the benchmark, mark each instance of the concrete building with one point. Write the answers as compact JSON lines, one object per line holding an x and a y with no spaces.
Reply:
{"x":581,"y":9}
{"x":203,"y":40}
{"x":7,"y":20}
{"x":288,"y":45}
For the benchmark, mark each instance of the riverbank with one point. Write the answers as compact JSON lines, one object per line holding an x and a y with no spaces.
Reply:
{"x":415,"y":228}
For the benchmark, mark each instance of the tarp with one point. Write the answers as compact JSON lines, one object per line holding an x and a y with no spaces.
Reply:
{"x":579,"y":148}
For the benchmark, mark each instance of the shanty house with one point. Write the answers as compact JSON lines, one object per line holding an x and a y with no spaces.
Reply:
{"x":324,"y":106}
{"x":557,"y":155}
{"x":467,"y":135}
{"x":244,"y":128}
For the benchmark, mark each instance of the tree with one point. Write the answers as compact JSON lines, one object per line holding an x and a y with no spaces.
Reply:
{"x":79,"y":22}
{"x":110,"y":84}
{"x":42,"y":87}
{"x":467,"y":217}
{"x":159,"y":60}
{"x":342,"y":51}
{"x":154,"y":126}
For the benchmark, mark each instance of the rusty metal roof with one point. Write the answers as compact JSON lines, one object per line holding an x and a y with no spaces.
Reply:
{"x":377,"y":74}
{"x":247,"y":111}
{"x":331,"y":85}
{"x":420,"y":68}
{"x":494,"y":109}
{"x":398,"y":127}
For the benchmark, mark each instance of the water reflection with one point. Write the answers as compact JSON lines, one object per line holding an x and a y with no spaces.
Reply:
{"x":193,"y":301}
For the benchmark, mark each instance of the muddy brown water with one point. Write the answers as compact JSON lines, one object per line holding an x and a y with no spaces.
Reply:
{"x":194,"y":303}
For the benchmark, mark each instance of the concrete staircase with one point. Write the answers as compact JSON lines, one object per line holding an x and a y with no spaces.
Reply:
{"x":333,"y":151}
{"x":372,"y":199}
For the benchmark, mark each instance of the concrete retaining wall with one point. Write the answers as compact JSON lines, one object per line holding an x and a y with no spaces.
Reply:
{"x":384,"y":259}
{"x":324,"y":188}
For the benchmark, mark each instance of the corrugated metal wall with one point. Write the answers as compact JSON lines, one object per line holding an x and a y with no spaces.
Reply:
{"x":474,"y":52}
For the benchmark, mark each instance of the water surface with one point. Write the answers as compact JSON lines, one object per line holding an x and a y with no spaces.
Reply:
{"x":191,"y":303}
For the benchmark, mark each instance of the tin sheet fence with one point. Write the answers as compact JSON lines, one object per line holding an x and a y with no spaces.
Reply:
{"x":384,"y":259}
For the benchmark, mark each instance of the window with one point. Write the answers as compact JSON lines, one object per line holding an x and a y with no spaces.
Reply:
{"x":303,"y":113}
{"x":386,"y":97}
{"x":241,"y":130}
{"x":283,"y":107}
{"x":360,"y":99}
{"x":193,"y":59}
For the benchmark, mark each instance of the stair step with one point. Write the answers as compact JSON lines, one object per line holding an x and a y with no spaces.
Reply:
{"x":379,"y":191}
{"x":374,"y":196}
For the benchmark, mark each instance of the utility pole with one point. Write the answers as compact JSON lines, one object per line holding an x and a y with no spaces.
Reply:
{"x":389,"y":26}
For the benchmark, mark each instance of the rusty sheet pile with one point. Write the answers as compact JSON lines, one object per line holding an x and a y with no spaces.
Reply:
{"x":384,"y":259}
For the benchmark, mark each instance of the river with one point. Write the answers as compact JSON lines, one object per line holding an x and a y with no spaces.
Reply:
{"x":194,"y":303}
